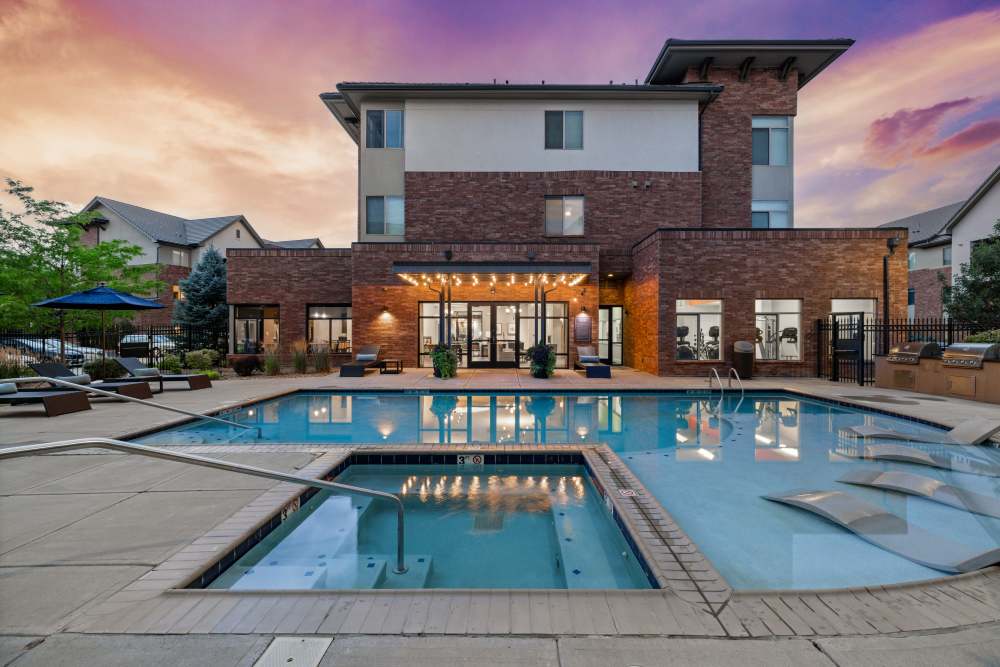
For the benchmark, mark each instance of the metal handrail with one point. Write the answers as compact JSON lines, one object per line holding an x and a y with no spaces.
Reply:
{"x":722,"y":390}
{"x":141,"y":401}
{"x":734,"y":373}
{"x":158,"y":453}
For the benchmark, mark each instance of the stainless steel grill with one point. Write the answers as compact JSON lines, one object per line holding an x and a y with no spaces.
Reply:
{"x":970,"y":355}
{"x":913,"y":352}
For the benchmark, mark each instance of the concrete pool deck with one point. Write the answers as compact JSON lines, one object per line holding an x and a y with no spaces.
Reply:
{"x":85,"y":533}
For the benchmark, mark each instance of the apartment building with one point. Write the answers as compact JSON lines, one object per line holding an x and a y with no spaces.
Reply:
{"x":941,"y":242}
{"x":175,"y":244}
{"x":653,"y":220}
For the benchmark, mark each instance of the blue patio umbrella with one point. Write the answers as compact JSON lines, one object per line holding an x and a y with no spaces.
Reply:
{"x":100,"y":298}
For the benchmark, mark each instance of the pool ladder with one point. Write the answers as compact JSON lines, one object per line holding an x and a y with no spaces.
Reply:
{"x":205,"y":462}
{"x":722,"y":391}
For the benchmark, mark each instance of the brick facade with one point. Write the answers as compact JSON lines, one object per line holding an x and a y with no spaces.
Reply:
{"x":740,"y":266}
{"x":486,"y":206}
{"x":290,"y":279}
{"x":928,"y":288}
{"x":385,"y":307}
{"x":726,"y":148}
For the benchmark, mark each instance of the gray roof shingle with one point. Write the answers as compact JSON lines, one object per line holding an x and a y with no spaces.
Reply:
{"x":926,"y":225}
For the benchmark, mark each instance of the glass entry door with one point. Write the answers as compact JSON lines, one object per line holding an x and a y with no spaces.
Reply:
{"x":609,"y":335}
{"x":492,"y":335}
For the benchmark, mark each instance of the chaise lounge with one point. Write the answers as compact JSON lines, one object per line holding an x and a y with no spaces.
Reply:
{"x":590,"y":363}
{"x":366,"y":358}
{"x":970,"y":432}
{"x":137,"y":370}
{"x":132,"y":387}
{"x":55,"y":401}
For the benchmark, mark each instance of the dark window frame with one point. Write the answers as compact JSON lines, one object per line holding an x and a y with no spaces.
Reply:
{"x":259,"y":349}
{"x":545,"y":222}
{"x":382,"y":139}
{"x":561,"y":115}
{"x":329,"y":321}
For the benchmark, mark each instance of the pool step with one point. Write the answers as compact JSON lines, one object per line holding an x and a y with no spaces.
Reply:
{"x":584,"y":560}
{"x":350,"y":572}
{"x":328,"y":531}
{"x":418,"y":571}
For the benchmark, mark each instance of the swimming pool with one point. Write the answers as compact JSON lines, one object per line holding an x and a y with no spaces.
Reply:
{"x":494,"y":526}
{"x":708,"y":472}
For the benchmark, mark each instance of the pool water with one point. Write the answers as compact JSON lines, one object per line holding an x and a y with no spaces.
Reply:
{"x":708,"y":472}
{"x":498,"y":526}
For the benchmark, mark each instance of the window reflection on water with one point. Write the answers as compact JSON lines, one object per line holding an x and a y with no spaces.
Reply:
{"x":495,"y":493}
{"x":776,"y":433}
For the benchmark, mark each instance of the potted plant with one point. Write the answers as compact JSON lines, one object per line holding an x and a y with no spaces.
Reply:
{"x":445,"y":361}
{"x":543,"y":360}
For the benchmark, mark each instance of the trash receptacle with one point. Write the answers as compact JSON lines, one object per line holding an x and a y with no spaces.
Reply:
{"x":743,"y":358}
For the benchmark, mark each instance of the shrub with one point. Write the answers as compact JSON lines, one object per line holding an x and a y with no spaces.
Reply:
{"x":11,"y":366}
{"x":272,"y":364}
{"x":245,"y":366}
{"x":299,"y":356}
{"x":212,"y":374}
{"x":321,"y":361}
{"x":202,"y":360}
{"x":103,"y":369}
{"x":445,"y":361}
{"x":543,"y":360}
{"x":170,"y":364}
{"x":991,"y":336}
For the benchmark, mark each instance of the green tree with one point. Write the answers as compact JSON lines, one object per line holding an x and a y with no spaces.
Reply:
{"x":975,"y":296}
{"x":204,"y":301}
{"x":42,"y":256}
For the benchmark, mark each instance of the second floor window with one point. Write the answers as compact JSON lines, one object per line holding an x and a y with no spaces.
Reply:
{"x":911,"y":260}
{"x":564,"y":130}
{"x":384,"y":128}
{"x":175,"y":256}
{"x":564,"y":216}
{"x":767,"y":214}
{"x":946,"y":255}
{"x":770,"y":140}
{"x":384,"y":216}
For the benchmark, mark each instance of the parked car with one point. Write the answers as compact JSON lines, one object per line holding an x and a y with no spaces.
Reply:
{"x":146,"y":345}
{"x":47,"y":349}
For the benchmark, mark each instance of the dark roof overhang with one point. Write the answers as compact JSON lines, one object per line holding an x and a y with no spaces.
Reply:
{"x":808,"y":56}
{"x":486,"y":268}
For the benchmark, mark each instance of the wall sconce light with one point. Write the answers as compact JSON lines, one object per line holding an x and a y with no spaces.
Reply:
{"x":583,"y":311}
{"x":385,"y":310}
{"x":634,"y":184}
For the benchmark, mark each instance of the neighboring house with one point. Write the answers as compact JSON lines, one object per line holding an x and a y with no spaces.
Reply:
{"x":173,"y":242}
{"x":295,"y":244}
{"x":941,"y":241}
{"x":656,"y":217}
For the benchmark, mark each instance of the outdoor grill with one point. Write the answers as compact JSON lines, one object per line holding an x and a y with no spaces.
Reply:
{"x":970,"y":355}
{"x":913,"y":352}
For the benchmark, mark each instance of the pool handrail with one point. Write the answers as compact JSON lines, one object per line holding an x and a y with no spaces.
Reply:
{"x":205,"y":462}
{"x":734,"y":373}
{"x":722,"y":389}
{"x":90,"y":388}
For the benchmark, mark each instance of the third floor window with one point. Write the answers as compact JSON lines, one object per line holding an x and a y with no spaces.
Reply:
{"x":384,"y":128}
{"x":770,"y":140}
{"x":384,"y":216}
{"x":564,"y":130}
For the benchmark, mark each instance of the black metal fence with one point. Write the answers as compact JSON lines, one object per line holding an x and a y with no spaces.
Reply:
{"x":148,"y":343}
{"x":847,"y":344}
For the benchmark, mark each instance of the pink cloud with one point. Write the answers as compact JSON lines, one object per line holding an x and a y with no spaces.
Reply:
{"x":907,"y":133}
{"x":973,"y":138}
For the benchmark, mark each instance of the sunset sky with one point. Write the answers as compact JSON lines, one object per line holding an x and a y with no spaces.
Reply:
{"x":211,"y":107}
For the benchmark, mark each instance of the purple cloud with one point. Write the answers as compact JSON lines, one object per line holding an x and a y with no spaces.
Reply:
{"x":908,"y":133}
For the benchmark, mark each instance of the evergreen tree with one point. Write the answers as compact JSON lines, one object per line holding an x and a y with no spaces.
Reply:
{"x":975,"y":297}
{"x":204,"y":294}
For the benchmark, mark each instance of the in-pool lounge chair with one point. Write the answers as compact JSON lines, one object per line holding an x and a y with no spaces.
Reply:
{"x":133,"y":387}
{"x":889,"y":531}
{"x":590,"y":363}
{"x":366,"y":357}
{"x":55,"y":401}
{"x":137,"y":370}
{"x":970,"y":432}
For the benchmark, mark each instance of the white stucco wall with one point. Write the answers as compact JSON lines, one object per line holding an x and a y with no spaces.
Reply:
{"x":226,"y":239}
{"x":118,"y":229}
{"x":502,"y":135}
{"x":977,"y":224}
{"x":927,"y":258}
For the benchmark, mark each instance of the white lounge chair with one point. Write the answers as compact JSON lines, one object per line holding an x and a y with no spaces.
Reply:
{"x":970,"y":432}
